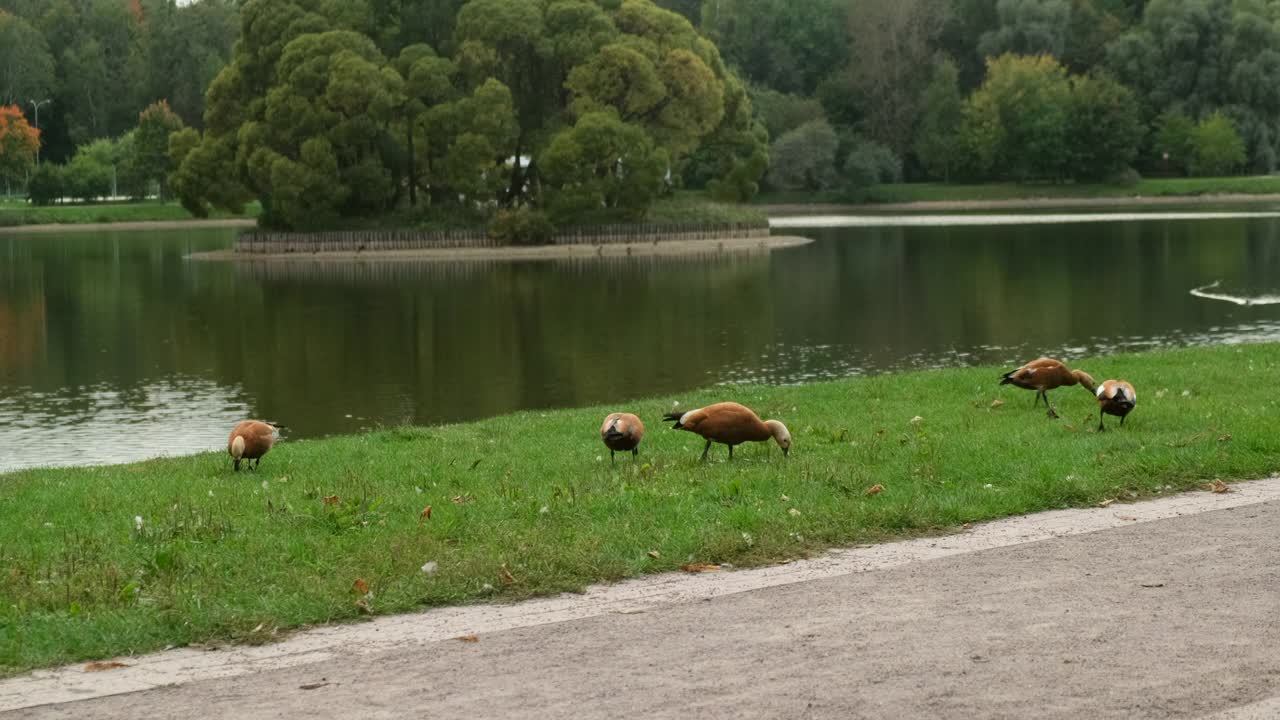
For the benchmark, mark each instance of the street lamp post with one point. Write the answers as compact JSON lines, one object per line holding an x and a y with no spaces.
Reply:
{"x":37,"y":105}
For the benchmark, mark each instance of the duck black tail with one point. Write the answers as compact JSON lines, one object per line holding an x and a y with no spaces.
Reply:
{"x":674,"y":416}
{"x":1006,"y":378}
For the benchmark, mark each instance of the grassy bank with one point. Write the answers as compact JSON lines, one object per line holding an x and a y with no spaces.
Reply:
{"x":13,"y":214}
{"x":528,"y":504}
{"x":933,"y":192}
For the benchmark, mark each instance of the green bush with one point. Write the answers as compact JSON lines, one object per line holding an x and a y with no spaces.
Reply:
{"x":522,"y":226}
{"x":870,"y":163}
{"x":1219,"y":149}
{"x":47,"y":184}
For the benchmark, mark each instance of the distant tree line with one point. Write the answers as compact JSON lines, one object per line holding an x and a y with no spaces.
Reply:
{"x":544,"y":110}
{"x":850,"y":90}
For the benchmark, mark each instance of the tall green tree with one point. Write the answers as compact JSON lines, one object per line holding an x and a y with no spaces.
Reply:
{"x":149,"y":159}
{"x":26,"y":66}
{"x":938,"y":140}
{"x":894,"y":41}
{"x":1028,"y":27}
{"x":1217,"y":148}
{"x":1030,"y":98}
{"x":788,"y":46}
{"x":1104,"y":126}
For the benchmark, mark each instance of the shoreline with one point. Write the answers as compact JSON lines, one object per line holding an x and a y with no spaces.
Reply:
{"x":664,"y":248}
{"x":199,"y":223}
{"x":786,"y":209}
{"x":783,"y":209}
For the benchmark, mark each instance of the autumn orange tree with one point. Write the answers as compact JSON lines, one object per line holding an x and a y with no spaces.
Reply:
{"x":18,"y":144}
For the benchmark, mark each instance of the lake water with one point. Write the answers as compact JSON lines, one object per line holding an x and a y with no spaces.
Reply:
{"x":115,"y":346}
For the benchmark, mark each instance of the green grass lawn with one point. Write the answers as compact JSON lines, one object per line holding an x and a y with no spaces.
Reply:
{"x":20,"y":213}
{"x":528,"y":504}
{"x":924,"y":192}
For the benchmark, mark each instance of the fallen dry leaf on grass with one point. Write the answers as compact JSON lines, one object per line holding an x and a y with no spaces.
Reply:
{"x":468,"y":638}
{"x":700,"y":567}
{"x":1217,"y":486}
{"x":332,"y":499}
{"x":655,"y":554}
{"x":363,"y":605}
{"x":875,"y":489}
{"x":104,"y":666}
{"x":463,"y":499}
{"x":505,"y":574}
{"x":360,"y":586}
{"x":425,"y":514}
{"x":1105,"y":503}
{"x":997,"y":403}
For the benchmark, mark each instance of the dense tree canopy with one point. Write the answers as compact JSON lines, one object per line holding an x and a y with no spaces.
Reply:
{"x":576,"y":106}
{"x":473,"y":105}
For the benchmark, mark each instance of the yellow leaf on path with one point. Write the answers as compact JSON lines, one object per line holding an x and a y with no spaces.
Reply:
{"x":104,"y":666}
{"x":360,"y":586}
{"x":1105,"y":503}
{"x":468,"y":638}
{"x":875,"y":489}
{"x":1217,"y":486}
{"x":700,"y":567}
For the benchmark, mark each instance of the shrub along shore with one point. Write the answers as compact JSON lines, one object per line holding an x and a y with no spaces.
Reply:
{"x":102,"y":561}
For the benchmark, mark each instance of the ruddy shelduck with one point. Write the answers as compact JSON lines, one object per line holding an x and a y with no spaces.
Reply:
{"x":730,"y":424}
{"x":1044,"y":375}
{"x":622,"y":432}
{"x":250,"y":440}
{"x":1115,"y":397}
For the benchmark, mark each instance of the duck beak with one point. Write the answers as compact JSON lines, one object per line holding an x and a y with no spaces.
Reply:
{"x":786,"y":452}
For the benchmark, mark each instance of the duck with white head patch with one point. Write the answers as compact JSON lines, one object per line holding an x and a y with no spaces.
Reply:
{"x":622,"y":432}
{"x":1115,"y":397}
{"x":730,"y":424}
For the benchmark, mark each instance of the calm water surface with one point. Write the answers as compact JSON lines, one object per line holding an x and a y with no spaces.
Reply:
{"x":114,"y":347}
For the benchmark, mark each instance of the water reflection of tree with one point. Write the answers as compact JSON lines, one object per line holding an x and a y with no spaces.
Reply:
{"x":466,"y":340}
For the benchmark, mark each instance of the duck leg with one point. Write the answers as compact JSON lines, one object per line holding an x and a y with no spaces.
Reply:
{"x":706,"y":450}
{"x":635,"y":454}
{"x":730,"y":452}
{"x":610,"y":457}
{"x":1101,"y":427}
{"x":1035,"y":402}
{"x":236,"y":465}
{"x":1051,"y":412}
{"x":1122,"y":417}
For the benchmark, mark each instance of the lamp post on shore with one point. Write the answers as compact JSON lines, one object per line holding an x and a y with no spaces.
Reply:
{"x":37,"y":105}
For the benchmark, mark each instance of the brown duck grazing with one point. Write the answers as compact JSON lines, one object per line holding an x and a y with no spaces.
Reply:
{"x":1044,"y":375}
{"x":250,"y":440}
{"x":622,"y":432}
{"x":1115,"y":397}
{"x":731,"y":424}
